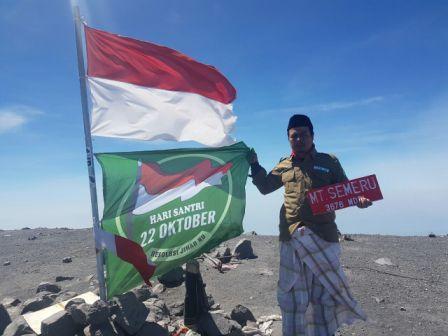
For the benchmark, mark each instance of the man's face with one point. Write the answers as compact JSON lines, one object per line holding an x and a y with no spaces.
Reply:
{"x":300,"y":139}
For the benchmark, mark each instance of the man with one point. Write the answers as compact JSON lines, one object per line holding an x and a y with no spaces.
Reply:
{"x":312,"y":289}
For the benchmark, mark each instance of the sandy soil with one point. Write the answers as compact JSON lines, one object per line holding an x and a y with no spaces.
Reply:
{"x":413,"y":294}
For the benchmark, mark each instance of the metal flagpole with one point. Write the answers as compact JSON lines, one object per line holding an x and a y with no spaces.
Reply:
{"x":89,"y":149}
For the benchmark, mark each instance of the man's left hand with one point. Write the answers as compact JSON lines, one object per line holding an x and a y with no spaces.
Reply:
{"x":363,"y":202}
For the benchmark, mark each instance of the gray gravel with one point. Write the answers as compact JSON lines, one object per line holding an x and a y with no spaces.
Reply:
{"x":413,"y":294}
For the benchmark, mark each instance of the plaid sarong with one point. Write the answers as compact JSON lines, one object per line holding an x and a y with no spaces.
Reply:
{"x":313,"y":292}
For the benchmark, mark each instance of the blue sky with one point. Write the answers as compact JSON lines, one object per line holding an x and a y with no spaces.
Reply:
{"x":372,"y":75}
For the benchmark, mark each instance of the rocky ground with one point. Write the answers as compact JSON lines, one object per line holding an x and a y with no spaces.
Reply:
{"x":406,"y":295}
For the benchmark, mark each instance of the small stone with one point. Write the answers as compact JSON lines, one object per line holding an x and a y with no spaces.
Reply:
{"x":158,"y":289}
{"x":215,"y":306}
{"x":48,"y":287}
{"x":7,"y":263}
{"x":347,"y":238}
{"x":402,"y":308}
{"x":58,"y":324}
{"x":378,"y":300}
{"x":25,"y":228}
{"x":384,"y":262}
{"x":10,"y":302}
{"x":67,"y":260}
{"x":32,"y":238}
{"x":60,"y":278}
{"x":432,"y":235}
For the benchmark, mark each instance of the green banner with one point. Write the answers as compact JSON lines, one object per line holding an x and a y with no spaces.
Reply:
{"x":176,"y":204}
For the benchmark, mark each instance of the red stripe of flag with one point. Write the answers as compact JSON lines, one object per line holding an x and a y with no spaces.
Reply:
{"x":134,"y":254}
{"x":146,"y":64}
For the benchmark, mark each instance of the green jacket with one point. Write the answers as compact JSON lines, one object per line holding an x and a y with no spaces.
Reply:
{"x":298,"y":176}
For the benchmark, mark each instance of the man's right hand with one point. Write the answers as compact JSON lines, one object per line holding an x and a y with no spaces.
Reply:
{"x":253,"y":158}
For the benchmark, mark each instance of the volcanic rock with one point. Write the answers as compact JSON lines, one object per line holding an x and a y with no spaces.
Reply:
{"x":48,"y":287}
{"x":97,"y":313}
{"x":243,"y":250}
{"x":79,"y":313}
{"x":242,"y":314}
{"x":58,"y":324}
{"x":10,"y":302}
{"x":67,"y":260}
{"x":129,"y":313}
{"x":37,"y":303}
{"x":18,"y":327}
{"x":60,"y":278}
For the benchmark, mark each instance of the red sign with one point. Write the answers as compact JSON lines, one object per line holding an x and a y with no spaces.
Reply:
{"x":345,"y":194}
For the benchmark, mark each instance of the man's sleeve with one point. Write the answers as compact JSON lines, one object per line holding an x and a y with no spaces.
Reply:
{"x":338,"y":172}
{"x":265,"y":183}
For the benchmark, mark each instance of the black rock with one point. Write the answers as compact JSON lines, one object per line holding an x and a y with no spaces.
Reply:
{"x":7,"y":263}
{"x":432,"y":235}
{"x":173,"y":278}
{"x":242,"y":314}
{"x":60,"y":278}
{"x":18,"y":327}
{"x":37,"y":303}
{"x":10,"y":302}
{"x":76,"y":301}
{"x":32,"y":238}
{"x":58,"y":324}
{"x":243,"y":250}
{"x":79,"y":313}
{"x":4,"y":318}
{"x":98,"y":313}
{"x":129,"y":313}
{"x":67,"y":260}
{"x":48,"y":287}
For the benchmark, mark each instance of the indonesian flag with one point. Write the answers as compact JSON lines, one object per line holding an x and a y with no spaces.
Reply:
{"x":157,"y":188}
{"x":126,"y":250}
{"x":144,"y":91}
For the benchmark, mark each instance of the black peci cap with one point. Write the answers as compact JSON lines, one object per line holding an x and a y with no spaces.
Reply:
{"x":300,"y":120}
